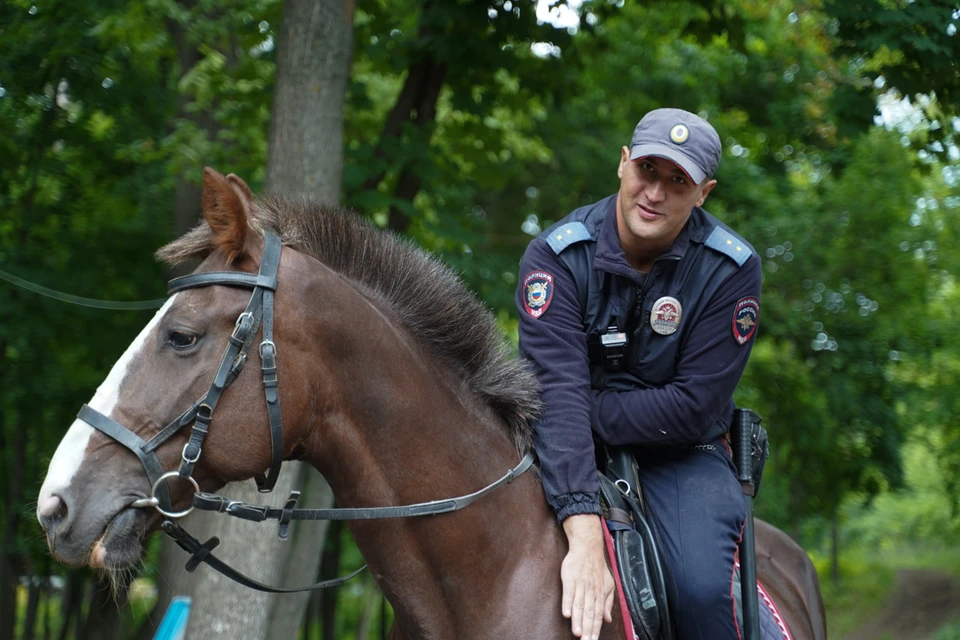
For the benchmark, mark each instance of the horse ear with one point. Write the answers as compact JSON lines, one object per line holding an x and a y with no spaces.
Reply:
{"x":225,"y":210}
{"x":242,"y":186}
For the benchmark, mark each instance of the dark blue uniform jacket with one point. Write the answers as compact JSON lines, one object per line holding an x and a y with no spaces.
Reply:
{"x":672,"y":390}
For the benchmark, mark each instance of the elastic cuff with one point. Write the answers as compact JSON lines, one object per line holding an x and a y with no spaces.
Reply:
{"x":574,"y":504}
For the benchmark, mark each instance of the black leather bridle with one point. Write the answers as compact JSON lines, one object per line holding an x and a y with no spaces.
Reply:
{"x":259,"y":311}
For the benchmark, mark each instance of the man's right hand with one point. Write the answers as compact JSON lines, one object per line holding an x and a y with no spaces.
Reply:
{"x":588,"y":587}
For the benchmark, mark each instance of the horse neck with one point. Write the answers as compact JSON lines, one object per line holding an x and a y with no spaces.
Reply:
{"x":397,"y":427}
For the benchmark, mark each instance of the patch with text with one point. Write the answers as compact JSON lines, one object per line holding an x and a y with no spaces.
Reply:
{"x":537,"y":292}
{"x":746,"y":315}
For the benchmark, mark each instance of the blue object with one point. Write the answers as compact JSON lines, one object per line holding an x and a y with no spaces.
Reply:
{"x":564,"y":236}
{"x":174,"y":623}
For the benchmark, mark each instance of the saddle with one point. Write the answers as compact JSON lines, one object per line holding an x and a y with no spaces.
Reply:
{"x":638,"y":548}
{"x":636,"y":545}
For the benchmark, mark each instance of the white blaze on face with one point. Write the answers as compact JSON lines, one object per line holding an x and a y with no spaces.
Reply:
{"x":69,"y":454}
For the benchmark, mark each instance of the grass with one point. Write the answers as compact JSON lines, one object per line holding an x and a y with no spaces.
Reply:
{"x":867,"y":580}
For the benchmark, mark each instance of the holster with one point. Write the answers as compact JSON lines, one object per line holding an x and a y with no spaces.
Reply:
{"x":759,"y":445}
{"x":636,"y":546}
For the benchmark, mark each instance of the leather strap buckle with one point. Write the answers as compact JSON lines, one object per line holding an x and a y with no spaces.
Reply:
{"x":252,"y":512}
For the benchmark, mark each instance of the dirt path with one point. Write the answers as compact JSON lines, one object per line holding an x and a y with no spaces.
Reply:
{"x":922,"y":602}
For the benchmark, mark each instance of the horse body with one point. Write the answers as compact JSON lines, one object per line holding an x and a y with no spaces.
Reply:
{"x":410,"y":432}
{"x":386,"y":411}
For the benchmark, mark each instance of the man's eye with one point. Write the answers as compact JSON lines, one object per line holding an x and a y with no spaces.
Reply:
{"x":181,"y":340}
{"x":679,"y":179}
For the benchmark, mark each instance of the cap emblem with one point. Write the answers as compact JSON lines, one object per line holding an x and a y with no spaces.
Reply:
{"x":679,"y":134}
{"x":665,"y":315}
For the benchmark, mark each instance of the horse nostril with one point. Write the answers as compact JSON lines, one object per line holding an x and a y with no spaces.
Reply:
{"x":51,"y":513}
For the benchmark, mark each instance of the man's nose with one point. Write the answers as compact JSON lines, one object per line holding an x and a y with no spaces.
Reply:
{"x":656,"y":192}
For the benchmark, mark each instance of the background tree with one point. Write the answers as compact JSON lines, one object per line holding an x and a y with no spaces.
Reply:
{"x":314,"y":45}
{"x":470,"y":127}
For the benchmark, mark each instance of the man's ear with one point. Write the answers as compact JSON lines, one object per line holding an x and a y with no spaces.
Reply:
{"x":225,"y":210}
{"x":624,"y":159}
{"x":706,"y":189}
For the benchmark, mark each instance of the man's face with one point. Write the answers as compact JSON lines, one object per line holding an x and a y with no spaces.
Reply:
{"x":655,"y":201}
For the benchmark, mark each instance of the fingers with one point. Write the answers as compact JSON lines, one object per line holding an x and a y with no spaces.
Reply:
{"x":588,"y":606}
{"x":576,"y":622}
{"x":592,"y":615}
{"x":608,"y":605}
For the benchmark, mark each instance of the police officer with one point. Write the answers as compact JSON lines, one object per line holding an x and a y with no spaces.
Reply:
{"x":638,"y":313}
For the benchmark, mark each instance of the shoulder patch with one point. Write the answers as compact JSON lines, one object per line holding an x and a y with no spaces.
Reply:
{"x":746,"y":315}
{"x":566,"y":235}
{"x":537,"y":292}
{"x":729,"y":245}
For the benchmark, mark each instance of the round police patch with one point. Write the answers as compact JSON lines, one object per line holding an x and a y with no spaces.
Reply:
{"x":679,"y":134}
{"x":665,"y":315}
{"x":745,"y":317}
{"x":537,"y":292}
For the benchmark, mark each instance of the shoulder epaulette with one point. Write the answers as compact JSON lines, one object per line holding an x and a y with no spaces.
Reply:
{"x":566,"y":235}
{"x":729,"y":245}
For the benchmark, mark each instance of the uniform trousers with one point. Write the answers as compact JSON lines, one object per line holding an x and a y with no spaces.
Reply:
{"x":696,"y":506}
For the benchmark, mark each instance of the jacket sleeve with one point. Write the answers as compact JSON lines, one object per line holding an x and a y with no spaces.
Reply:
{"x":556,"y":345}
{"x":708,"y":370}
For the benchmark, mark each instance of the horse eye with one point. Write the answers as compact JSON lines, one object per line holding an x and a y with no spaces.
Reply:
{"x":181,"y":340}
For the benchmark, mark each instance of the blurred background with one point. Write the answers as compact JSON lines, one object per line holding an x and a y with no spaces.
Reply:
{"x":469,"y":127}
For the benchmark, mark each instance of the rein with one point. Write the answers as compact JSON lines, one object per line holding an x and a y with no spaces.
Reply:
{"x":110,"y":305}
{"x":258,"y":312}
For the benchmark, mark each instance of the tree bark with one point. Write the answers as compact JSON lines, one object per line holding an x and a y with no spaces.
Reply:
{"x":70,"y":603}
{"x":371,"y":597}
{"x":33,"y":607}
{"x":314,"y":47}
{"x":305,"y":156}
{"x":835,"y":548}
{"x":330,"y":568}
{"x":10,"y":560}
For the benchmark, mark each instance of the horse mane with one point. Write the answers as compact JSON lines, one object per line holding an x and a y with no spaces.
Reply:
{"x":429,"y":298}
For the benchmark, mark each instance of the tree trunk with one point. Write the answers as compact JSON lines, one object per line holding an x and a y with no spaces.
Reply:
{"x":330,"y":568}
{"x":314,"y":51}
{"x":10,"y":559}
{"x":314,"y":47}
{"x":371,"y":597}
{"x":33,"y":606}
{"x":188,"y":193}
{"x":70,"y":603}
{"x":47,"y":605}
{"x":835,"y":548}
{"x":105,"y":616}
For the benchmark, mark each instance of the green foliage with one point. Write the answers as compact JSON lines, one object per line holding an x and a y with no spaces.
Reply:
{"x":866,"y":584}
{"x":105,"y":105}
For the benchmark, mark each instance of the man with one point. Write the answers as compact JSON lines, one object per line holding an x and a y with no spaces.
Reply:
{"x":648,"y":264}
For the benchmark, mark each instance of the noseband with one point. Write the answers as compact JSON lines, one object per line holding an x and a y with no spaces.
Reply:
{"x":259,"y":310}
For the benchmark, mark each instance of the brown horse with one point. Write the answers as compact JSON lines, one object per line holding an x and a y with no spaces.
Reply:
{"x":395,"y":384}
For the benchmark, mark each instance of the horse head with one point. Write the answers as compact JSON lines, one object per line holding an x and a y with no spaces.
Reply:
{"x":87,"y":502}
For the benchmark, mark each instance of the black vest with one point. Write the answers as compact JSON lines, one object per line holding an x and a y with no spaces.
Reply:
{"x":609,"y":298}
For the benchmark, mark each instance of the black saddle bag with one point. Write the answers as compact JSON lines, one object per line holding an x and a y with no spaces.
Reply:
{"x":636,"y":547}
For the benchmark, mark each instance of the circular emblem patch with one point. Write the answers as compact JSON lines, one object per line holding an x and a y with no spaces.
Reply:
{"x":665,"y":315}
{"x":537,"y":292}
{"x":679,"y":134}
{"x":745,"y":317}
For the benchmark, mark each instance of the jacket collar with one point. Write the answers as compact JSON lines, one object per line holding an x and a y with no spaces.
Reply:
{"x":610,"y":257}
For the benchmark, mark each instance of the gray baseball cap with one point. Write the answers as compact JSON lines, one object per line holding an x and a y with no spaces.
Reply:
{"x":682,"y":137}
